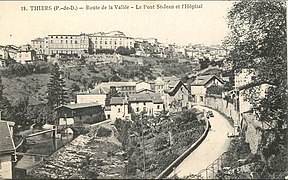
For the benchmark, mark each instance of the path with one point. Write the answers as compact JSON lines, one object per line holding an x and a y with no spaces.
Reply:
{"x":215,"y":144}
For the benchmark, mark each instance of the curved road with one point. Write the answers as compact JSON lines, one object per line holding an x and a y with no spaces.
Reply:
{"x":215,"y":144}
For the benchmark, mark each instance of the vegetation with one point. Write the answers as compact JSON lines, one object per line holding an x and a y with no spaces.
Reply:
{"x":215,"y":90}
{"x":164,"y":140}
{"x":56,"y":93}
{"x":21,"y":70}
{"x":125,"y":51}
{"x":258,"y":37}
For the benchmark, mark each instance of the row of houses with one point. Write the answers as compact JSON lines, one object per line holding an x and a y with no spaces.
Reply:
{"x":22,"y":54}
{"x":121,"y":99}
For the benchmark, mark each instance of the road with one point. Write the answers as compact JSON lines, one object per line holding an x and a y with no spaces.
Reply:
{"x":215,"y":144}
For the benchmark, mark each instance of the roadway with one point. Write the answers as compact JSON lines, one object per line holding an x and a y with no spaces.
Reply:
{"x":215,"y":144}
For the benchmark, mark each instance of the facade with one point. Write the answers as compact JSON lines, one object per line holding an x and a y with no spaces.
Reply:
{"x":7,"y":149}
{"x":124,"y":88}
{"x":97,"y":95}
{"x":80,"y":112}
{"x":200,"y":85}
{"x":40,"y":45}
{"x":68,"y":44}
{"x":12,"y":51}
{"x":119,"y":108}
{"x":148,"y":102}
{"x":111,"y":40}
{"x":177,"y":97}
{"x":25,"y":54}
{"x":162,"y":84}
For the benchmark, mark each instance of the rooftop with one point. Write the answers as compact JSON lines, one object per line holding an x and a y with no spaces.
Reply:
{"x":80,"y":105}
{"x":117,"y":84}
{"x":202,"y":80}
{"x":6,"y":141}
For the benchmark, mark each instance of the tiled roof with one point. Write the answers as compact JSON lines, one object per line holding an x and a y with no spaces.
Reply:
{"x":174,"y":90}
{"x":6,"y":141}
{"x":117,"y":100}
{"x":117,"y":84}
{"x":80,"y":105}
{"x":140,"y":98}
{"x":202,"y":80}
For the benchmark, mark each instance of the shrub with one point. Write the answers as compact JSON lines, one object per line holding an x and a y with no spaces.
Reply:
{"x":104,"y":132}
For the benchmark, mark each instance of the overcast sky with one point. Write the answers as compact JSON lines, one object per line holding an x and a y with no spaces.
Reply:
{"x":207,"y":25}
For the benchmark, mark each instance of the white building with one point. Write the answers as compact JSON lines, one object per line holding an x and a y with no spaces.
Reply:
{"x":25,"y":54}
{"x":99,"y":95}
{"x":177,"y":97}
{"x":200,"y":85}
{"x":111,"y":40}
{"x":123,"y":107}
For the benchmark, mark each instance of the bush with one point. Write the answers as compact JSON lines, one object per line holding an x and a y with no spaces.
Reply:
{"x":215,"y":90}
{"x":104,"y":132}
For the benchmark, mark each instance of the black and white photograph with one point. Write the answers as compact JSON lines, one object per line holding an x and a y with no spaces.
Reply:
{"x":143,"y":89}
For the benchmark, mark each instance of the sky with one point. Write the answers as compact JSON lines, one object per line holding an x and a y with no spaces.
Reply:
{"x":206,"y":25}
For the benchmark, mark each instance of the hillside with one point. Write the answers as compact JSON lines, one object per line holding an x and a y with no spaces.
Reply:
{"x":34,"y":86}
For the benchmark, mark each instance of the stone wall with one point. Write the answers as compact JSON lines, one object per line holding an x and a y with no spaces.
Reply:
{"x":250,"y":125}
{"x":218,"y":103}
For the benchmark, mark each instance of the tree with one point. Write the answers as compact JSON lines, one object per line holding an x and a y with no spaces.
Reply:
{"x":259,"y":40}
{"x":204,"y":63}
{"x":5,"y":105}
{"x":56,"y":93}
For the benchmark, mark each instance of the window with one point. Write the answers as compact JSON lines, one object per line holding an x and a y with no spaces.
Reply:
{"x":90,"y":115}
{"x":158,"y":106}
{"x":144,"y":109}
{"x":76,"y":42}
{"x":119,"y":110}
{"x":80,"y":117}
{"x":144,"y":103}
{"x":137,"y":109}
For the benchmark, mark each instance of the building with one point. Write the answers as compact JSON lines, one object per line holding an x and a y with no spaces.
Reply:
{"x":244,"y":77}
{"x":200,"y":85}
{"x":12,"y":51}
{"x":68,"y":44}
{"x":123,"y":88}
{"x":98,"y":95}
{"x":111,"y":40}
{"x":119,"y":108}
{"x":140,"y":86}
{"x":40,"y":45}
{"x":177,"y":97}
{"x":164,"y":83}
{"x":147,"y":102}
{"x":7,"y":150}
{"x":3,"y":52}
{"x":81,"y":113}
{"x":25,"y":54}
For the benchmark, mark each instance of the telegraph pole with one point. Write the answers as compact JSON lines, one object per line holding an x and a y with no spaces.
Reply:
{"x":143,"y":144}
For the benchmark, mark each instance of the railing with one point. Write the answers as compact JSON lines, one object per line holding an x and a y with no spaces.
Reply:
{"x":175,"y":163}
